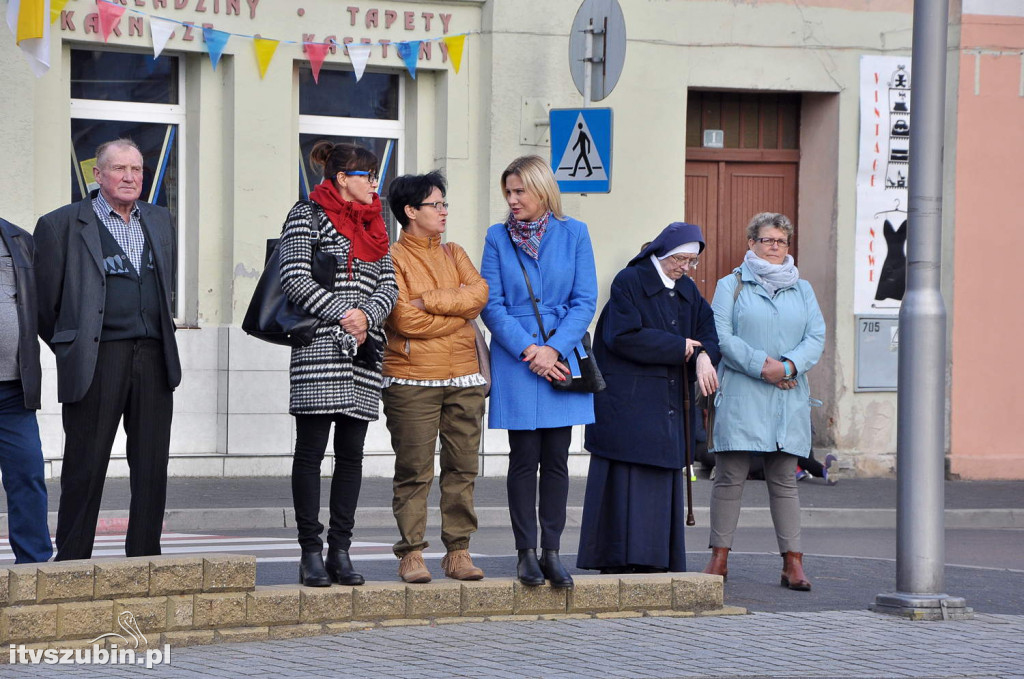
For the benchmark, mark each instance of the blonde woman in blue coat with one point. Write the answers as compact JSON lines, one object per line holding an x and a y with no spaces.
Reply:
{"x":771,"y":332}
{"x":556,"y":254}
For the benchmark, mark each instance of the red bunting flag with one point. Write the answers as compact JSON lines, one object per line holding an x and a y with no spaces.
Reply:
{"x":110,"y":14}
{"x":317,"y":52}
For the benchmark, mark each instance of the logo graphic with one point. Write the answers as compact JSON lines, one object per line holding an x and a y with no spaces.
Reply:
{"x":126,"y":621}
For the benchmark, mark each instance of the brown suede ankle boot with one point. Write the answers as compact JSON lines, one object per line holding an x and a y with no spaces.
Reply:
{"x":458,"y":565}
{"x":719,"y":564}
{"x":793,"y":572}
{"x":412,"y":568}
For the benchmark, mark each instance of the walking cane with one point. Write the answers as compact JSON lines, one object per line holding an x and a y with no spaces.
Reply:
{"x":689,"y":447}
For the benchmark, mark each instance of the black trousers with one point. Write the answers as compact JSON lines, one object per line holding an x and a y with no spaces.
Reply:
{"x":547,"y":449}
{"x":130,"y":380}
{"x":311,"y":432}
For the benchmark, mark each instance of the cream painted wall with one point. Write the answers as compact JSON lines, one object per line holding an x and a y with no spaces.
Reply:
{"x":242,"y":171}
{"x":17,"y":135}
{"x":241,"y":167}
{"x":779,"y":46}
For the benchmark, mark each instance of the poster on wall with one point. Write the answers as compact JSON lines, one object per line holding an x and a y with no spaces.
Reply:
{"x":882,"y":171}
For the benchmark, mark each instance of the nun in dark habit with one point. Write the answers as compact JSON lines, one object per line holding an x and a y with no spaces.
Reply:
{"x":653,"y":323}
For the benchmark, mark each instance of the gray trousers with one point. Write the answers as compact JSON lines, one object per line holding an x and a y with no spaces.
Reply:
{"x":731,"y":469}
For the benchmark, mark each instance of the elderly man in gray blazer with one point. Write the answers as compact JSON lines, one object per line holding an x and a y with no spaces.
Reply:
{"x":104,"y":279}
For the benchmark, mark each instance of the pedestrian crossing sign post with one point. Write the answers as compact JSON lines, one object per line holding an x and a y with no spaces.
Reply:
{"x":581,"y":149}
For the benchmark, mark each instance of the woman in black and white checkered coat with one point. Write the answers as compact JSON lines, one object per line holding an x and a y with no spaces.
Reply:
{"x":337,"y":378}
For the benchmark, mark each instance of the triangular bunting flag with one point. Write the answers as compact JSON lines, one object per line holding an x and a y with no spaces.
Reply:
{"x":56,"y":7}
{"x":265,"y":49}
{"x":31,"y":19}
{"x":110,"y":14}
{"x":455,"y":45}
{"x":27,"y":21}
{"x":161,"y":30}
{"x":317,"y":52}
{"x":410,"y":54}
{"x":215,"y":42}
{"x":359,"y":54}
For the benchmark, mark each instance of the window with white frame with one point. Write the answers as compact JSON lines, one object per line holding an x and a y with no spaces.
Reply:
{"x":367,"y":113}
{"x":133,"y":95}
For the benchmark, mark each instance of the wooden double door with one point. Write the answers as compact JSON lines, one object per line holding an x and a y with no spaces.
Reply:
{"x":722,"y":196}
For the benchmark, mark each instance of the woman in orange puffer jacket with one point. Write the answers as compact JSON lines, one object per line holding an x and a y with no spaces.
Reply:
{"x":432,"y":380}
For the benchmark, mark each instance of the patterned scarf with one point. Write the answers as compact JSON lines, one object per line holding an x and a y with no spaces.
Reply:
{"x":772,"y":277}
{"x":527,"y":235}
{"x":362,"y":225}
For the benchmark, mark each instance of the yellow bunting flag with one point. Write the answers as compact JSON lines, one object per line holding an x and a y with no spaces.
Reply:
{"x":31,"y":31}
{"x":56,"y":7}
{"x":455,"y":45}
{"x":264,"y":53}
{"x":31,"y":15}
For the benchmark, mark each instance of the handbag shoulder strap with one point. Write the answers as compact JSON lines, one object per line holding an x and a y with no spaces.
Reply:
{"x":471,"y":321}
{"x":445,"y":250}
{"x":314,"y":234}
{"x":314,"y":227}
{"x":529,"y":288}
{"x":736,"y":295}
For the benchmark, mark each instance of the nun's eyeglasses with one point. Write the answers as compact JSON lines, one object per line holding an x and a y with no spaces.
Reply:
{"x":689,"y":261}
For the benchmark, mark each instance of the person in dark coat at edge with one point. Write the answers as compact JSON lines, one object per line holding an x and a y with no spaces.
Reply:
{"x":654,"y":321}
{"x":21,"y":453}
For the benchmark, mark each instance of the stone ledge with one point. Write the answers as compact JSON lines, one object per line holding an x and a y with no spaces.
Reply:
{"x":212,"y":598}
{"x":106,"y":579}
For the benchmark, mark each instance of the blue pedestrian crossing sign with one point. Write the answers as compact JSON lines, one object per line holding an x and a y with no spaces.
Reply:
{"x":581,"y":149}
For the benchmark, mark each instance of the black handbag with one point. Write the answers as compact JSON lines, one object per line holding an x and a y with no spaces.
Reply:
{"x":271,"y":316}
{"x":590,"y":380}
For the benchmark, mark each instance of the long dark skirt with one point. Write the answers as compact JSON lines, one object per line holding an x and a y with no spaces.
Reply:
{"x":633,"y":516}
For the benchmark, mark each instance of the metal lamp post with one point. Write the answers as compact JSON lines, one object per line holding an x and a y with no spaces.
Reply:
{"x":920,"y":447}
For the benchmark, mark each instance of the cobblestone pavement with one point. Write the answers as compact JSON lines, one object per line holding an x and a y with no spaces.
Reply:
{"x":822,"y":644}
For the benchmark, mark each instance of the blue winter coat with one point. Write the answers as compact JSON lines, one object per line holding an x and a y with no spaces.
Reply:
{"x":640,"y":347}
{"x":565,"y":281}
{"x":752,"y":414}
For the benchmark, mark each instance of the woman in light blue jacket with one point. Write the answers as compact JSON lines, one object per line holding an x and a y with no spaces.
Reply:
{"x":537,"y":241}
{"x":771,"y":332}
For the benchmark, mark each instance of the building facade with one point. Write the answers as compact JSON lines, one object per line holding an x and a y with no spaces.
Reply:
{"x":781,"y":81}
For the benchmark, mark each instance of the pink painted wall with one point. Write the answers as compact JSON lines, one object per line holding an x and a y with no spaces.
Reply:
{"x":987,"y":396}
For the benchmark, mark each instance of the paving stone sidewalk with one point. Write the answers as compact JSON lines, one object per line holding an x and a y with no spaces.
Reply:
{"x":824,"y":644}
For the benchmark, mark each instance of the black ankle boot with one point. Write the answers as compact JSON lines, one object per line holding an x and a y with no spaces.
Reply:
{"x":311,"y":570}
{"x":528,"y":571}
{"x":554,"y":571}
{"x":339,"y":567}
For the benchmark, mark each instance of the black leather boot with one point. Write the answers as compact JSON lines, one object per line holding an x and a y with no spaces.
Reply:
{"x":311,"y":570}
{"x":554,"y":571}
{"x":528,"y":571}
{"x":339,"y":567}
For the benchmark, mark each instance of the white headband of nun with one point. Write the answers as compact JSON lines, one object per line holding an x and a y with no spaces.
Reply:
{"x":691,"y":248}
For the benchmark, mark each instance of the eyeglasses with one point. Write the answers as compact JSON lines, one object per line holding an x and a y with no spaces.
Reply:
{"x":370,"y":176}
{"x":781,"y":242}
{"x":437,"y":206}
{"x":688,"y":262}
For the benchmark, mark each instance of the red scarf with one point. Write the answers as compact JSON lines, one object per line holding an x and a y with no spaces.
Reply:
{"x":362,"y":225}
